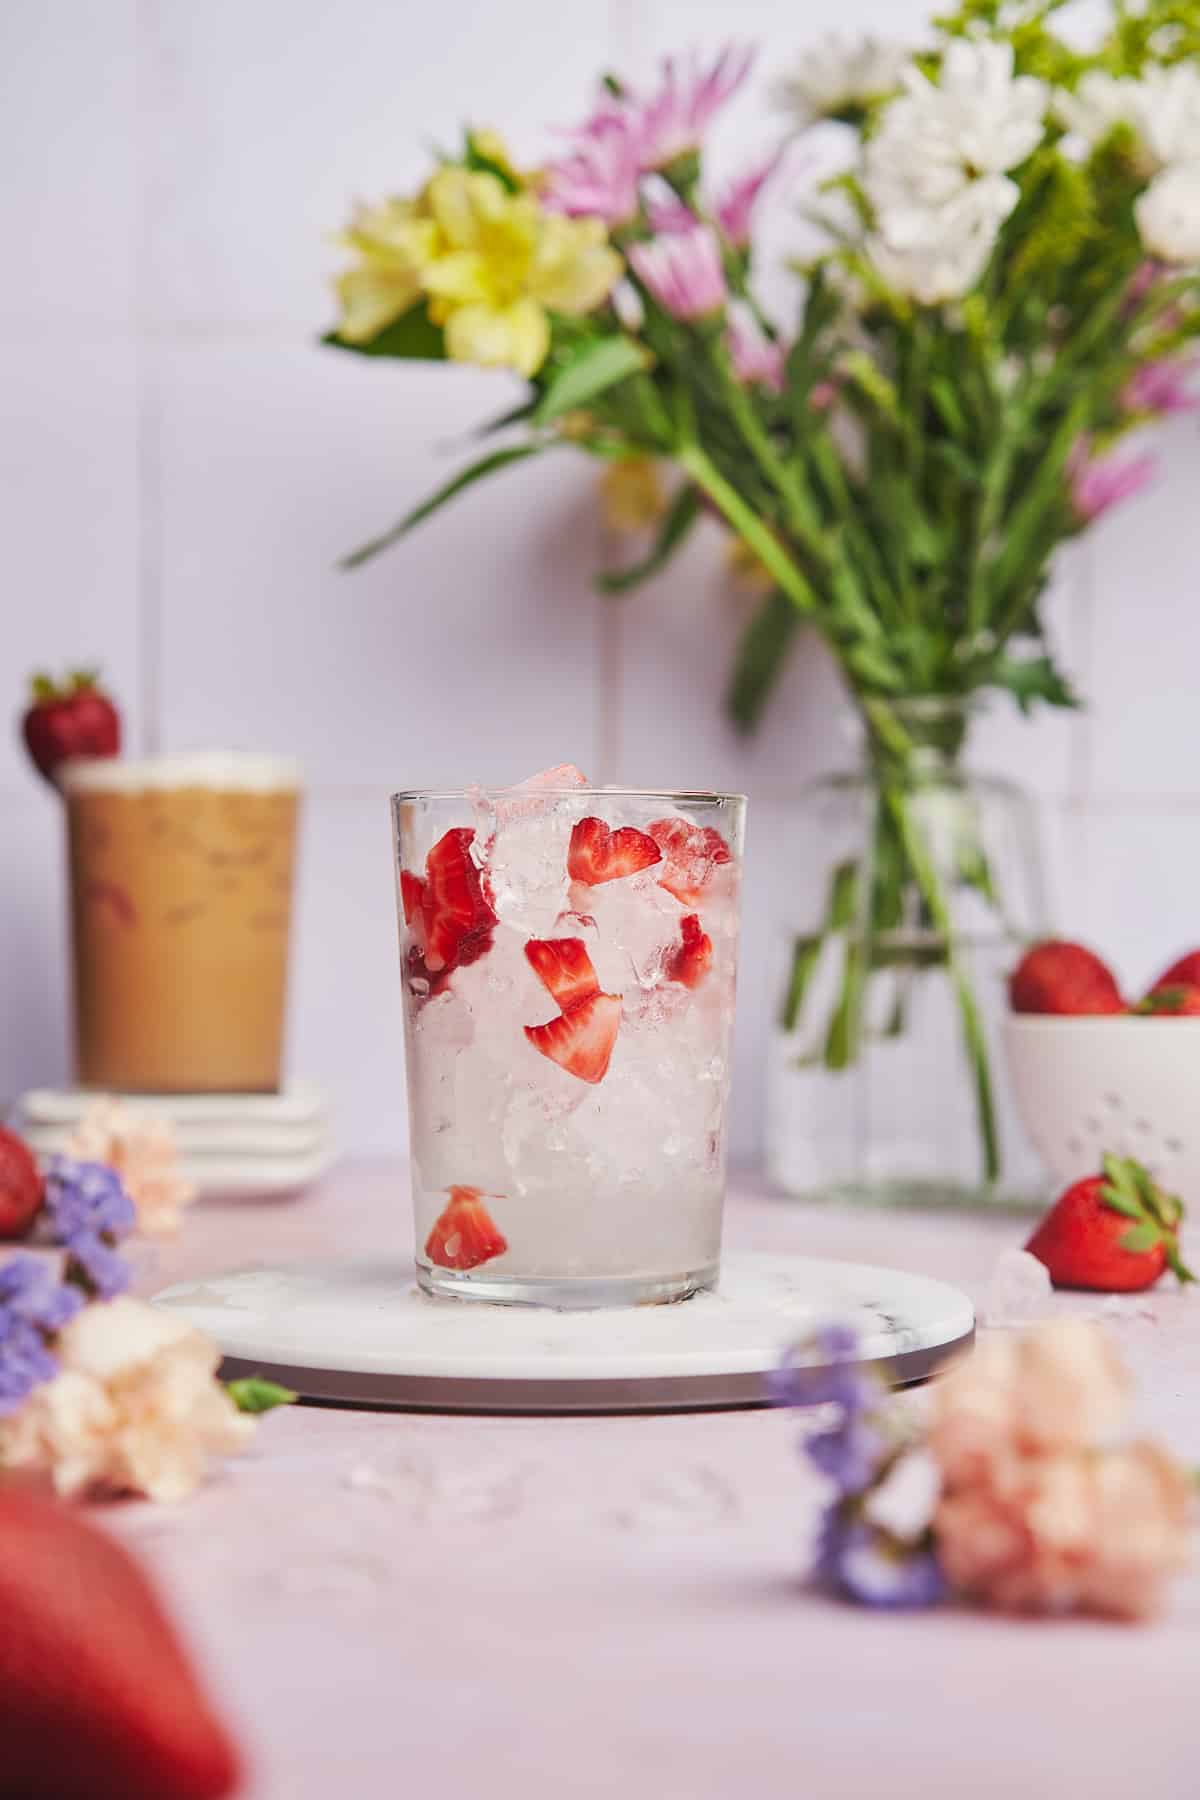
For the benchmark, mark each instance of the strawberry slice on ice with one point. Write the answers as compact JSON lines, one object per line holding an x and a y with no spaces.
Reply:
{"x":598,"y":854}
{"x":412,"y":898}
{"x":581,"y":1041}
{"x":690,"y":854}
{"x":464,"y":1234}
{"x":691,"y":961}
{"x":564,"y":967}
{"x":448,"y":914}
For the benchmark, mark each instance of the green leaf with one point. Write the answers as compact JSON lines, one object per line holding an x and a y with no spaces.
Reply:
{"x":680,"y":516}
{"x":805,"y":952}
{"x":412,"y":335}
{"x":475,"y":158}
{"x":1029,"y":679}
{"x":588,"y":372}
{"x":516,"y":415}
{"x":1119,"y":1202}
{"x":487,"y":465}
{"x":254,"y":1394}
{"x":842,"y":911}
{"x":760,"y":658}
{"x":1141,"y":1237}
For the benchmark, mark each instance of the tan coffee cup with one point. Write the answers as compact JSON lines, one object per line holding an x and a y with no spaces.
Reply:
{"x":181,"y":872}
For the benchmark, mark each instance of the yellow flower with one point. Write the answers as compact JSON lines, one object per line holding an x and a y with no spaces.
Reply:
{"x":395,"y":240}
{"x":632,"y":494}
{"x":501,"y":263}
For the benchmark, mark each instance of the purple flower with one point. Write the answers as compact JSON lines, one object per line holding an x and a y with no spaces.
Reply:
{"x":88,"y":1198}
{"x":1162,"y":387}
{"x":735,"y":207}
{"x":822,"y":1371}
{"x":755,"y":356}
{"x":871,"y":1568}
{"x":31,"y":1290}
{"x":34,"y":1304}
{"x":850,"y":1455}
{"x":89,"y":1213}
{"x":97,"y":1265}
{"x":683,"y":272}
{"x":25,"y":1361}
{"x":1098,"y":482}
{"x":599,"y":179}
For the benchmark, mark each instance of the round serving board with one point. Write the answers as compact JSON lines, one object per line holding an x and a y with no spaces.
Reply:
{"x":361,"y":1332}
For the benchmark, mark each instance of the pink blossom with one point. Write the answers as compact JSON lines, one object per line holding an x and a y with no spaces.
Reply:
{"x":683,"y":272}
{"x":668,"y":214}
{"x":755,"y":356}
{"x":735,"y":207}
{"x":823,"y":396}
{"x":676,"y":118}
{"x":599,"y":179}
{"x":1098,"y":482}
{"x":1163,"y":386}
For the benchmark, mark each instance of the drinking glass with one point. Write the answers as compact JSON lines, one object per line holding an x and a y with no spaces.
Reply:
{"x":569,"y":962}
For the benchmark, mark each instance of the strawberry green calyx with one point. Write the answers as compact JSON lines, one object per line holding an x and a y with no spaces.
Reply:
{"x":1130,"y":1189}
{"x":43,"y":687}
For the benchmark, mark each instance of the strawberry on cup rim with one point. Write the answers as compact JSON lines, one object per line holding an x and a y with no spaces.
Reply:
{"x":69,"y":720}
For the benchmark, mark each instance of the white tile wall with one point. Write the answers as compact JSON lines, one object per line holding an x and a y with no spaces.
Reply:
{"x":180,"y":467}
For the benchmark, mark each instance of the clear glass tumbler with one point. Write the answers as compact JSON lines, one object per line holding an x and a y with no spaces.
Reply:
{"x":569,"y":961}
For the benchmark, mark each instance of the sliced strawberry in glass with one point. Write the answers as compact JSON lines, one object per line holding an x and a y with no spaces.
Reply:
{"x":691,"y":961}
{"x":581,"y":1041}
{"x":690,"y":854}
{"x":597,"y":854}
{"x":464,"y":1234}
{"x":564,"y":967}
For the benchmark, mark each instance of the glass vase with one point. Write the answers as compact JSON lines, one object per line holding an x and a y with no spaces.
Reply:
{"x":914,"y":884}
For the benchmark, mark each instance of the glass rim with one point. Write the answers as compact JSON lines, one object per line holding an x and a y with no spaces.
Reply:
{"x":689,"y":796}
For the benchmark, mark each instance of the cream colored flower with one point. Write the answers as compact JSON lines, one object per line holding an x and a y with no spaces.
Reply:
{"x":1037,"y":1514}
{"x":143,"y":1152}
{"x":135,"y":1409}
{"x":1168,"y":214}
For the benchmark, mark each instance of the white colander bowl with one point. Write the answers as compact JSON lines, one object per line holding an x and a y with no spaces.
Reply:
{"x":1126,"y":1085}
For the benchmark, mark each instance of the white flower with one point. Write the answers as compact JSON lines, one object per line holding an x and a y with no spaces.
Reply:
{"x":979,"y":120}
{"x":1163,"y":109}
{"x":935,"y":254}
{"x":1168,"y":214}
{"x":839,"y":72}
{"x":136,"y":1407}
{"x":906,"y":1499}
{"x":1098,"y":105}
{"x":936,"y":172}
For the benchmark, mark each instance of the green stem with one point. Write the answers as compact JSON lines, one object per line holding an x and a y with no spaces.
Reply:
{"x":748,"y":525}
{"x":939,"y":912}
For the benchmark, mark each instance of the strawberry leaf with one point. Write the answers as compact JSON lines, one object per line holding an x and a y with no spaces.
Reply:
{"x":1118,"y":1202}
{"x":1141,"y":1237}
{"x":255,"y":1394}
{"x":1176,"y":1263}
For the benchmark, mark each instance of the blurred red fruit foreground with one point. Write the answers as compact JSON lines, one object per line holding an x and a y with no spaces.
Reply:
{"x":98,"y":1700}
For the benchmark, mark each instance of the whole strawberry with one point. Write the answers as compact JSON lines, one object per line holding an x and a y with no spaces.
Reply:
{"x":1178,"y":1001}
{"x":20,"y":1186}
{"x":1065,"y":978}
{"x":73,"y":719}
{"x":1114,"y":1233}
{"x":98,"y":1700}
{"x":1183,"y":972}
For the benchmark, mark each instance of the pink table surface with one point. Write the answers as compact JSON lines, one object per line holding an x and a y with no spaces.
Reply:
{"x":398,"y":1604}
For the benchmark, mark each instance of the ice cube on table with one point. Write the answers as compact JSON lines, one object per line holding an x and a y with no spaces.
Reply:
{"x":1019,"y":1292}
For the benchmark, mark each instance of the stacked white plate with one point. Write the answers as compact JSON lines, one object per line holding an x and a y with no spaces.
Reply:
{"x":232,"y":1145}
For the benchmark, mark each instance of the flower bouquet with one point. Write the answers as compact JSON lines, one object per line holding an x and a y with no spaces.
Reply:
{"x":1002,"y":284}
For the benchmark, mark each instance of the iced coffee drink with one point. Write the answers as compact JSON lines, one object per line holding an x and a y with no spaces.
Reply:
{"x":181,"y":889}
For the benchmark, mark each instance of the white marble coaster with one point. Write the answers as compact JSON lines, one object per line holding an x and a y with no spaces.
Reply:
{"x":360,"y":1331}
